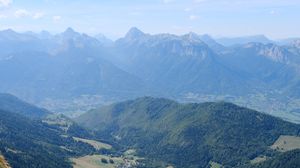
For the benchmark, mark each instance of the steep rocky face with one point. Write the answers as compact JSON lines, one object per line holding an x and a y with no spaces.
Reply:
{"x":271,"y":51}
{"x":235,"y":41}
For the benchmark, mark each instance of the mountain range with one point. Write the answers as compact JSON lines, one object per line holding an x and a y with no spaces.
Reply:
{"x":250,"y":71}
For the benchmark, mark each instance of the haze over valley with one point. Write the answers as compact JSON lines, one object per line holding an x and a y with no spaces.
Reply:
{"x":72,"y":72}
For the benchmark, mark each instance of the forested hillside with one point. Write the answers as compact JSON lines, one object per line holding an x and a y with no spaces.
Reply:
{"x":32,"y":137}
{"x":173,"y":133}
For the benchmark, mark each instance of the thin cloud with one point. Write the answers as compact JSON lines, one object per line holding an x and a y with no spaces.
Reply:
{"x":3,"y":16}
{"x":199,"y":1}
{"x":193,"y":17}
{"x":5,"y":3}
{"x":38,"y":15}
{"x":167,"y":1}
{"x":135,"y":13}
{"x":56,"y":18}
{"x":187,"y":9}
{"x":21,"y":13}
{"x":272,"y":12}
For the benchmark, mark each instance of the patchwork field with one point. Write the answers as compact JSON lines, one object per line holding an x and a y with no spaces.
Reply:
{"x":96,"y":144}
{"x":286,"y":143}
{"x":102,"y":161}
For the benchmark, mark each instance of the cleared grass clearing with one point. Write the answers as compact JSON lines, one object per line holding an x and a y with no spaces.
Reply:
{"x":96,"y":144}
{"x":215,"y":165}
{"x":286,"y":143}
{"x":258,"y":159}
{"x":94,"y":161}
{"x":130,"y":152}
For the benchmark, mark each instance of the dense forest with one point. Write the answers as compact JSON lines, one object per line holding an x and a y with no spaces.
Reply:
{"x":172,"y":133}
{"x":33,"y":143}
{"x":286,"y":160}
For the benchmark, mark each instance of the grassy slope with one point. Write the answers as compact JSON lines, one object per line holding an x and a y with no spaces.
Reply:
{"x":165,"y":130}
{"x":96,"y":144}
{"x":286,"y":143}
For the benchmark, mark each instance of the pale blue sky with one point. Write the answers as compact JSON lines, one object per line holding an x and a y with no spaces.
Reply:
{"x":274,"y":18}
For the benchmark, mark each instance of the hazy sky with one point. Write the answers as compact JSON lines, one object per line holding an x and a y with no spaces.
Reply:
{"x":113,"y":18}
